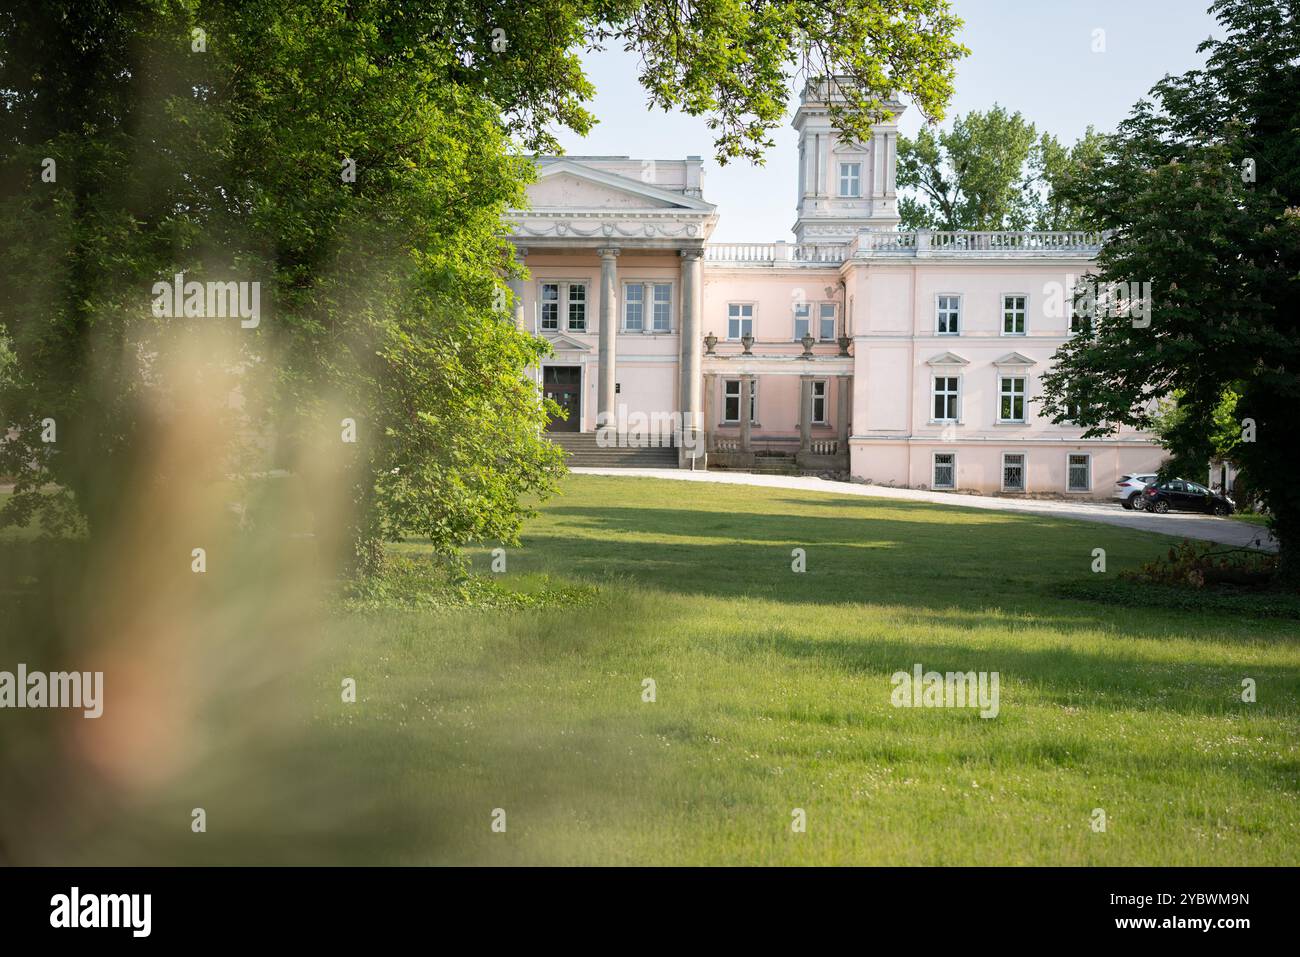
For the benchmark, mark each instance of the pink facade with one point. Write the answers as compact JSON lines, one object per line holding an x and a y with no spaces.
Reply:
{"x":902,"y":358}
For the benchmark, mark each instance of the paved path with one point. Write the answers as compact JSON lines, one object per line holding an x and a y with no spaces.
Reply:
{"x":1210,"y":528}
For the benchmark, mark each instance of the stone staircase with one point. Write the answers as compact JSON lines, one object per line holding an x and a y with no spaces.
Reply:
{"x":775,"y":464}
{"x":583,"y":452}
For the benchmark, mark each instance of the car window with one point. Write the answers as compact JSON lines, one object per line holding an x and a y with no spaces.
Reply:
{"x":1146,"y":478}
{"x":1177,"y":487}
{"x":1198,"y":489}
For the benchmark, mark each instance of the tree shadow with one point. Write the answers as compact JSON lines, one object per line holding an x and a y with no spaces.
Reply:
{"x":962,"y":574}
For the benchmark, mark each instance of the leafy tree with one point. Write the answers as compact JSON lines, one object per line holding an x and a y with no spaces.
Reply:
{"x":1193,"y":447}
{"x":214,"y":139}
{"x":1061,"y":175}
{"x":1202,"y":184}
{"x":992,"y":171}
{"x":970,"y":177}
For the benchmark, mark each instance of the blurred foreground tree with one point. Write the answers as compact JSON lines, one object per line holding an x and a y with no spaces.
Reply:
{"x":354,"y":159}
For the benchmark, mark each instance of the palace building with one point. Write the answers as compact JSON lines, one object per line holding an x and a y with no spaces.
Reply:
{"x":907,"y":358}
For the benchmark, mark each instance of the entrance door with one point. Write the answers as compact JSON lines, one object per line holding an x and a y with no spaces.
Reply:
{"x":563,"y":386}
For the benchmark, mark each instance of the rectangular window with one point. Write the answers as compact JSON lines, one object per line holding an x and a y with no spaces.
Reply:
{"x":663,"y":307}
{"x":945,"y":470}
{"x":1013,"y":315}
{"x":740,"y":319}
{"x":633,"y":307}
{"x":948,"y":315}
{"x":851,"y":179}
{"x":577,"y":307}
{"x":550,"y":305}
{"x":819,"y":402}
{"x":945,"y":398}
{"x":802,"y":314}
{"x":731,"y":401}
{"x":1012,"y":406}
{"x":1013,"y":472}
{"x":1078,"y":321}
{"x":826,"y":321}
{"x":1078,"y":473}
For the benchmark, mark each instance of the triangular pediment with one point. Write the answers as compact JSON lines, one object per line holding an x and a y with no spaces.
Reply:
{"x":565,"y":185}
{"x":1015,"y":359}
{"x":562,"y":343}
{"x":947,"y":359}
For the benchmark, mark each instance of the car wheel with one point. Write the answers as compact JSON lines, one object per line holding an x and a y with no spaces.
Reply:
{"x":1221,"y":509}
{"x":1160,"y":506}
{"x":1128,"y":502}
{"x":1134,"y":501}
{"x":1139,"y":504}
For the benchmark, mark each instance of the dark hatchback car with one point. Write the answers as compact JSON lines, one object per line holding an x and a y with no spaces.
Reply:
{"x":1178,"y":495}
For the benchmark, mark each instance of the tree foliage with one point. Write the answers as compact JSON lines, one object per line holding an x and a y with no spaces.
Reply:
{"x":992,"y":171}
{"x":212,"y":139}
{"x":1202,"y":185}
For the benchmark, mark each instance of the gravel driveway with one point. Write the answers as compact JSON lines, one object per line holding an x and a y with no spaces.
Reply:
{"x":1210,"y":528}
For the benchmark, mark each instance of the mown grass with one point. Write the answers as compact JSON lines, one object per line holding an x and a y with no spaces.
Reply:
{"x":773,"y":693}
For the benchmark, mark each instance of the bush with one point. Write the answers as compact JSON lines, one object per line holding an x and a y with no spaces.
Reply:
{"x":1200,"y":564}
{"x":406,"y":582}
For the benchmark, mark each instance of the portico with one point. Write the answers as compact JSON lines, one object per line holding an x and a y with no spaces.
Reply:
{"x":614,"y":249}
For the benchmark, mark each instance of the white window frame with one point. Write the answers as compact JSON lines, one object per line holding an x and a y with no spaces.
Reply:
{"x":806,"y":317}
{"x":1024,"y":397}
{"x":753,"y":401}
{"x":938,"y":298}
{"x":562,"y":302}
{"x":851,"y":176}
{"x":1024,"y":313}
{"x":647,"y":303}
{"x":834,"y":320}
{"x":542,"y":303}
{"x":654,"y":303}
{"x":934,"y":463}
{"x":934,"y":394}
{"x":1024,"y":471}
{"x":1085,"y":322}
{"x":741,"y":319}
{"x":569,"y":303}
{"x":629,"y":302}
{"x":826,"y":401}
{"x":1087,"y":456}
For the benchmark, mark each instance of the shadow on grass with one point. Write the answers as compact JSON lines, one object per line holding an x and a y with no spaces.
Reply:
{"x":952,"y":562}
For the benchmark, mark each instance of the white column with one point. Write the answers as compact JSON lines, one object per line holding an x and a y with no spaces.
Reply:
{"x":710,"y":409}
{"x":845,"y":386}
{"x":805,"y":413}
{"x":606,"y":401}
{"x":691,"y":340}
{"x":746,"y":390}
{"x":517,"y":289}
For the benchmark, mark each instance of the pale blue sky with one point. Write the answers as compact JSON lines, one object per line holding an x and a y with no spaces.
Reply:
{"x":1034,"y":56}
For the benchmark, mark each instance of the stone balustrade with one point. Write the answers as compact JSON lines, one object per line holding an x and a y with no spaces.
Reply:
{"x":918,"y":243}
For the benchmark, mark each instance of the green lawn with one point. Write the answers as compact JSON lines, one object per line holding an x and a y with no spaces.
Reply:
{"x":773,"y":693}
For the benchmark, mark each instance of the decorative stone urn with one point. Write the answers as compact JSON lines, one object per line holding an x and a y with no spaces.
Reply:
{"x":748,"y":343}
{"x":807,"y":341}
{"x":844,"y":345}
{"x":709,"y":342}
